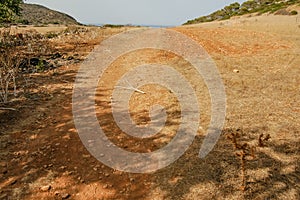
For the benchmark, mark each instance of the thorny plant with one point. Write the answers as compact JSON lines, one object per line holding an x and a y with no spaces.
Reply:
{"x":246,"y":152}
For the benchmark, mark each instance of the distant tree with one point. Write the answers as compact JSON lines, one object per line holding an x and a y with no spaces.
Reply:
{"x":9,"y":9}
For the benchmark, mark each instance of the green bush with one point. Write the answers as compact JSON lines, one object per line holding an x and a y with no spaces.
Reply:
{"x":112,"y":26}
{"x":293,"y":12}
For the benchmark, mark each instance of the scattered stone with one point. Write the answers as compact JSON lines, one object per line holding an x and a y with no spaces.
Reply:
{"x":63,"y":167}
{"x":70,"y":58}
{"x":68,"y":173}
{"x":46,"y":188}
{"x":236,"y":71}
{"x":106,"y":175}
{"x":105,"y":186}
{"x":131,"y":179}
{"x":13,"y":182}
{"x":65,"y":196}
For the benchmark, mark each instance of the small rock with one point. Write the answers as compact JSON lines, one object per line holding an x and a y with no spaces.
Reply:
{"x":70,"y":58}
{"x":70,"y":172}
{"x":131,"y":179}
{"x":236,"y":71}
{"x":65,"y":196}
{"x":107,"y":175}
{"x":105,"y":186}
{"x":13,"y":182}
{"x":46,"y":188}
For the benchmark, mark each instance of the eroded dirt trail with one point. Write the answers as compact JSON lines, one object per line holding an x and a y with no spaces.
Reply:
{"x":42,"y":156}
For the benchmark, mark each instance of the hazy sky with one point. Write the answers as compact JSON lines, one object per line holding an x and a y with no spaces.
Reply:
{"x":144,"y":12}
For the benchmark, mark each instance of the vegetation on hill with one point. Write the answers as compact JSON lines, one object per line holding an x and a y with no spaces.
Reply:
{"x":15,"y":11}
{"x":250,"y":6}
{"x":40,"y":15}
{"x":9,"y":9}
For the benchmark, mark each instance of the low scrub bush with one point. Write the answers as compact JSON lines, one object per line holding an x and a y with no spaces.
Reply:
{"x":15,"y":50}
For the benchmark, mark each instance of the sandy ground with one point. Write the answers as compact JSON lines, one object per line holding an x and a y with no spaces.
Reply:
{"x":42,"y":156}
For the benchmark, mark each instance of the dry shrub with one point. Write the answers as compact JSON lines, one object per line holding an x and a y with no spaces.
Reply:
{"x":246,"y":151}
{"x":9,"y":62}
{"x":17,"y":49}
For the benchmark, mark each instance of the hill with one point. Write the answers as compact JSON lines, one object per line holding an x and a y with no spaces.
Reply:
{"x":40,"y":15}
{"x":251,"y":6}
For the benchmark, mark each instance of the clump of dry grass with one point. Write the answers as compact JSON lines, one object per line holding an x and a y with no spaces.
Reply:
{"x":246,"y":152}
